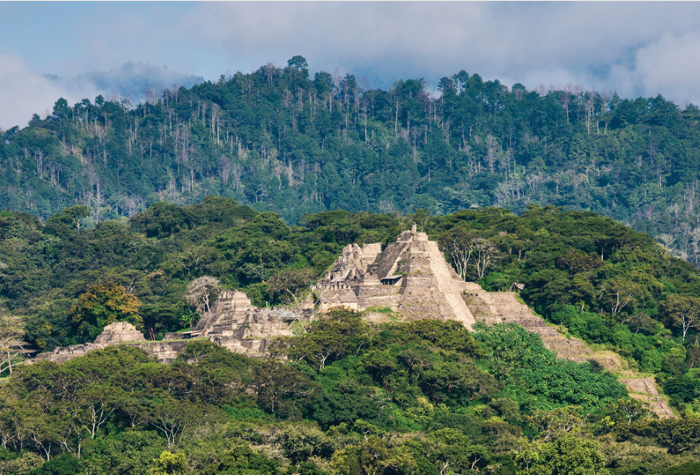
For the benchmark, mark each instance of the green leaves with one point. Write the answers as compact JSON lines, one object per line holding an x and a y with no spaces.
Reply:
{"x":677,"y":435}
{"x":567,"y":455}
{"x":518,"y":358}
{"x":102,"y":305}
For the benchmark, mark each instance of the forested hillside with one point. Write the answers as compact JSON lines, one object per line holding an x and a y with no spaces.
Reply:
{"x":348,"y":397}
{"x":607,"y":283}
{"x":281,"y":141}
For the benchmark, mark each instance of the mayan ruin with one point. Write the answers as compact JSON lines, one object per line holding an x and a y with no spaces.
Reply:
{"x":410,"y":277}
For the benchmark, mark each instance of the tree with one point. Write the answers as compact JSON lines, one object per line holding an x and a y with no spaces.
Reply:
{"x":68,"y":220}
{"x":169,"y":464}
{"x":286,"y":284}
{"x":553,"y":424}
{"x":104,"y":304}
{"x":298,"y":62}
{"x":565,"y":456}
{"x":486,"y":254}
{"x":61,"y":109}
{"x":619,"y":294}
{"x":201,"y":293}
{"x":189,"y":318}
{"x":373,"y":457}
{"x":458,"y":245}
{"x":173,"y":417}
{"x":681,"y":311}
{"x":677,"y":435}
{"x":470,"y":254}
{"x":11,"y":340}
{"x":280,"y":390}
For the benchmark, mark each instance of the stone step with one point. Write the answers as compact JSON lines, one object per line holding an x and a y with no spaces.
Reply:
{"x":567,"y":348}
{"x":644,"y":389}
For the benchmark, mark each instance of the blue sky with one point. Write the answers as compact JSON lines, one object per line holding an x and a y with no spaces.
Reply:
{"x":633,"y":48}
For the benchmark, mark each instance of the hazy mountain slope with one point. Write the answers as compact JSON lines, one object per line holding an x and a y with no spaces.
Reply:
{"x":280,"y":141}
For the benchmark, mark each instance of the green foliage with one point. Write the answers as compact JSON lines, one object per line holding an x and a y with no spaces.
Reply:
{"x":243,"y":460}
{"x":676,"y":435}
{"x":65,"y":464}
{"x":566,"y":456}
{"x":411,"y":397}
{"x":689,"y":468}
{"x":346,"y":396}
{"x":169,"y":463}
{"x":61,"y":224}
{"x":606,"y":283}
{"x":682,"y":388}
{"x":102,"y":305}
{"x":518,"y":358}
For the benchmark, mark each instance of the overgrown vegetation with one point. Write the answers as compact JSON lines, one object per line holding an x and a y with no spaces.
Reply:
{"x":404,"y":398}
{"x":419,"y":397}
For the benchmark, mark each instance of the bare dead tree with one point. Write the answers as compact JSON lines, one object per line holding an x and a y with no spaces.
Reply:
{"x":487,"y":254}
{"x":201,"y":292}
{"x":11,"y":340}
{"x":491,"y":151}
{"x":461,"y":256}
{"x":471,"y":255}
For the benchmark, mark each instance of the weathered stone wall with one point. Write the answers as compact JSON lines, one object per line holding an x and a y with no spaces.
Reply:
{"x":113,"y":334}
{"x":233,"y":323}
{"x":118,"y":332}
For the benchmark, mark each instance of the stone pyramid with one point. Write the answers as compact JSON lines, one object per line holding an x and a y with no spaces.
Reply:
{"x":410,"y":276}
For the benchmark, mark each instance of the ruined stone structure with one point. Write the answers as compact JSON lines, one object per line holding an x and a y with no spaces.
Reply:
{"x":233,"y":323}
{"x":118,"y":332}
{"x":411,"y":276}
{"x":113,"y":334}
{"x":236,"y":324}
{"x":413,"y":279}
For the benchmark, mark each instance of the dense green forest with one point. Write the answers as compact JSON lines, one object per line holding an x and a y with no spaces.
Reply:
{"x":422,"y":397}
{"x":281,"y":141}
{"x":426,"y":397}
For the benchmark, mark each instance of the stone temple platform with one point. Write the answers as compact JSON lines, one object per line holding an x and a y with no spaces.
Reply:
{"x":236,"y":324}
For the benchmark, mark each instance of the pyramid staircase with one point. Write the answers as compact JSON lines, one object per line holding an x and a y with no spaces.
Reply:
{"x":504,"y":307}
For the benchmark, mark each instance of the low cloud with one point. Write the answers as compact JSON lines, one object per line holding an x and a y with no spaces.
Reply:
{"x":23,"y":92}
{"x":635,"y":48}
{"x":667,"y":66}
{"x":632,"y":48}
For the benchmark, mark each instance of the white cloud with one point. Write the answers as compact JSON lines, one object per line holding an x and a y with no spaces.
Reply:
{"x":591,"y":44}
{"x":635,"y":48}
{"x":23,"y":92}
{"x":668,"y":66}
